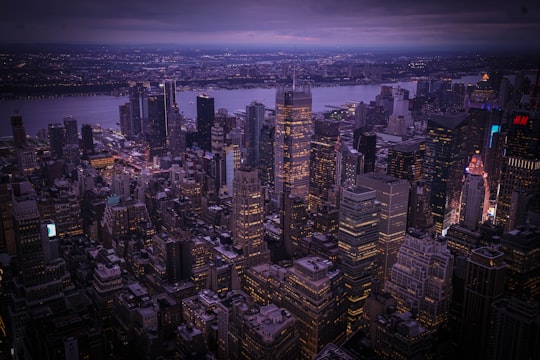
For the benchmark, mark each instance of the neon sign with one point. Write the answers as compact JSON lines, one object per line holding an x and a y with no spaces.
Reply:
{"x":521,"y":119}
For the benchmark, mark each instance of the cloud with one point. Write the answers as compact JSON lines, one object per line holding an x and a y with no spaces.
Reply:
{"x":279,"y":21}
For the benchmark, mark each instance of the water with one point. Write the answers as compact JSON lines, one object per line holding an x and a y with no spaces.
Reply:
{"x":103,"y":110}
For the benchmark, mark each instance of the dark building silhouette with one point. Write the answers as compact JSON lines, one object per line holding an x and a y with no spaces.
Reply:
{"x":56,"y":140}
{"x":137,"y":107}
{"x":366,"y":143}
{"x":252,"y":131}
{"x":87,"y":139}
{"x":156,"y":127}
{"x":71,"y":131}
{"x":205,"y":121}
{"x":19,"y":133}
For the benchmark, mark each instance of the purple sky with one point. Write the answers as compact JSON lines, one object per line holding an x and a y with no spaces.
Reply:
{"x":361,"y":23}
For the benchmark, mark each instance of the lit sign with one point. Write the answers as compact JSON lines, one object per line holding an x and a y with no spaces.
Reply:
{"x":521,"y":119}
{"x":51,"y":230}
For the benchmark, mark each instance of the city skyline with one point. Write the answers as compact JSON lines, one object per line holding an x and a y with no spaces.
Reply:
{"x":420,"y":24}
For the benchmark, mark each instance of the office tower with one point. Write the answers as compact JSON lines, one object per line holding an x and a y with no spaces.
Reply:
{"x":445,"y":161}
{"x":393,"y":195}
{"x":419,"y":215}
{"x":475,"y":195}
{"x":169,"y":92}
{"x":293,"y":220}
{"x":358,"y":255}
{"x":401,"y":120}
{"x":521,"y":247}
{"x":71,"y":131}
{"x":87,"y":139}
{"x":19,"y":133}
{"x":125,"y":120}
{"x":421,"y":279}
{"x":156,"y":126}
{"x":252,"y":131}
{"x":292,"y":138}
{"x":205,"y":121}
{"x":326,"y":220}
{"x":7,"y":231}
{"x":366,"y":143}
{"x":176,"y":133}
{"x":56,"y":140}
{"x":170,"y":257}
{"x":248,"y":213}
{"x":360,"y":114}
{"x":406,"y":160}
{"x":266,"y":154}
{"x":218,"y":172}
{"x":521,"y":163}
{"x":121,"y":186}
{"x":515,"y":327}
{"x":137,"y":107}
{"x":313,"y":292}
{"x":484,"y":285}
{"x":322,"y":163}
{"x":350,"y":164}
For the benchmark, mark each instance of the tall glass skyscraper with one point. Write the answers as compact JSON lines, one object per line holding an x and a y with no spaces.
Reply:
{"x":292,"y":141}
{"x":252,"y":130}
{"x":357,"y":241}
{"x":205,"y":121}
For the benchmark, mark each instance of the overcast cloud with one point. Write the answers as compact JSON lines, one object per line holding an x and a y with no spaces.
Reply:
{"x":362,"y":23}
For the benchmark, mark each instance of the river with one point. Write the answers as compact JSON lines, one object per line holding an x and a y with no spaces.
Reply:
{"x":103,"y":110}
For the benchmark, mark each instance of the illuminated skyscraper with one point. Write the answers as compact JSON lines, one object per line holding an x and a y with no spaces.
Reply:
{"x":445,"y":162}
{"x":248,"y":213}
{"x":475,"y":195}
{"x":357,"y":241}
{"x":322,"y":162}
{"x":205,"y":121}
{"x":252,"y":131}
{"x":393,"y":195}
{"x":292,"y":140}
{"x":406,"y":160}
{"x":521,"y":164}
{"x":421,"y":279}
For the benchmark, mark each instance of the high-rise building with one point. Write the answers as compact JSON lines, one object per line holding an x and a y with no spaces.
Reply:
{"x":252,"y":131}
{"x":125,"y":120}
{"x":87,"y":139}
{"x":292,"y":139}
{"x":322,"y":164}
{"x":156,"y":126}
{"x":516,"y":329}
{"x":71,"y":131}
{"x":445,"y":162}
{"x":293,"y":220}
{"x":475,"y":195}
{"x":366,"y":143}
{"x":137,"y":107}
{"x":406,"y":159}
{"x":421,"y":279}
{"x":248,"y":213}
{"x":205,"y":121}
{"x":358,"y":255}
{"x":393,"y":195}
{"x":266,"y":153}
{"x":522,"y":249}
{"x":19,"y":133}
{"x":521,"y":164}
{"x":56,"y":140}
{"x":484,"y":285}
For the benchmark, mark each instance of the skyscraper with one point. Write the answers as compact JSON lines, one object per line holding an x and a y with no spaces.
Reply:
{"x":475,"y":195}
{"x":393,"y":195}
{"x":125,"y":120}
{"x":56,"y":140}
{"x":292,"y":139}
{"x":521,"y":163}
{"x":252,"y":130}
{"x":366,"y":143}
{"x":445,"y":162}
{"x":87,"y":139}
{"x":357,"y":240}
{"x":484,"y":285}
{"x":322,"y":175}
{"x":248,"y":213}
{"x":137,"y":106}
{"x":421,"y":280}
{"x":406,"y":160}
{"x":19,"y":133}
{"x":71,"y":131}
{"x":156,"y":127}
{"x":205,"y":121}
